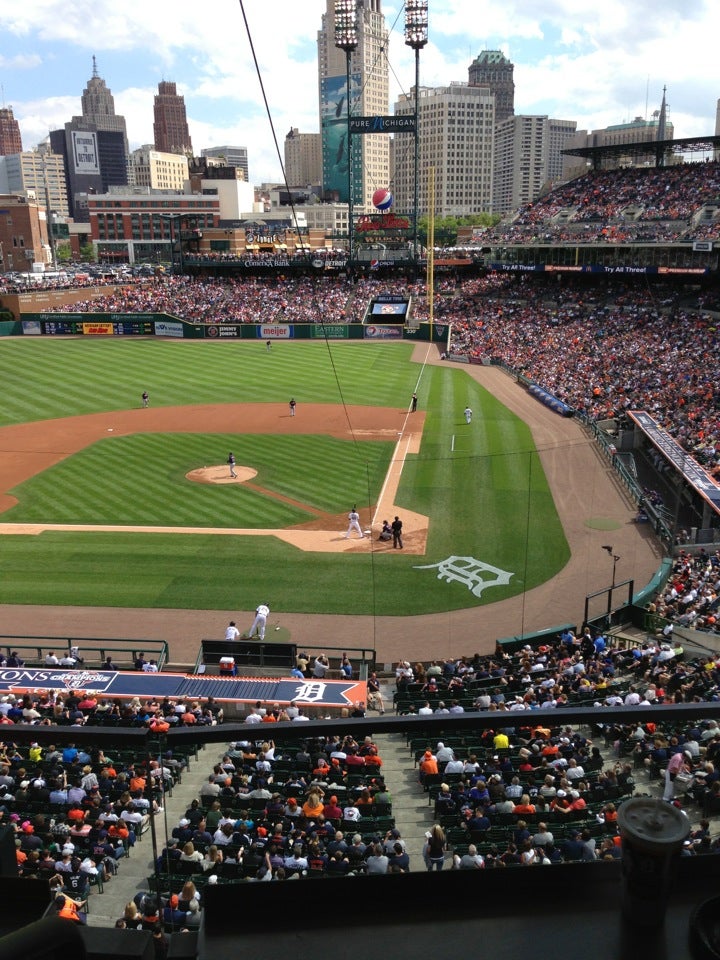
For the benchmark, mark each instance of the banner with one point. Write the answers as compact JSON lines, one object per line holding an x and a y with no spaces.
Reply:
{"x":335,"y":693}
{"x":85,"y":152}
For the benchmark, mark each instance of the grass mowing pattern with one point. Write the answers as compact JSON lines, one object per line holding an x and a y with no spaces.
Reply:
{"x":141,"y":480}
{"x":484,"y":487}
{"x":49,"y":378}
{"x":488,"y":498}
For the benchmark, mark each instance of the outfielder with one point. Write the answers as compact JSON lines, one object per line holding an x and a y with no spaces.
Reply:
{"x":468,"y":414}
{"x":354,"y":524}
{"x":260,"y":621}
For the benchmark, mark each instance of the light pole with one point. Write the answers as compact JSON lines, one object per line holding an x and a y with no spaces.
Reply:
{"x":346,"y":38}
{"x":615,"y":559}
{"x":172,"y":218}
{"x":416,"y":36}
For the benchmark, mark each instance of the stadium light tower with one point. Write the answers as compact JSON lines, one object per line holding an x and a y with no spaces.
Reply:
{"x":416,"y":36}
{"x":346,"y":38}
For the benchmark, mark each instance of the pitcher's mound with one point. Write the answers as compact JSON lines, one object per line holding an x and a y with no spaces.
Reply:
{"x":220,"y":474}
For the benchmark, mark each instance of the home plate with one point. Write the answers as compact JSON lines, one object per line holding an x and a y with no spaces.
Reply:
{"x":368,"y":533}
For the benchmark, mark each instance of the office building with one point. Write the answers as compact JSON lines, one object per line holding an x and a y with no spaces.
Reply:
{"x":38,"y":176}
{"x":232,"y":156}
{"x":157,"y":170}
{"x":492,"y":69}
{"x":10,"y":139}
{"x":528,"y":157}
{"x":303,"y":158}
{"x":132,"y":227}
{"x":170,"y":128}
{"x":94,"y":161}
{"x":456,"y":130}
{"x":368,"y":96}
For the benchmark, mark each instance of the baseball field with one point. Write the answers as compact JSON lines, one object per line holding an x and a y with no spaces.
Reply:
{"x":104,"y":503}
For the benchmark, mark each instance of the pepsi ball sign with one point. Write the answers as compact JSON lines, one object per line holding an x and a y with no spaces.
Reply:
{"x":382,"y":199}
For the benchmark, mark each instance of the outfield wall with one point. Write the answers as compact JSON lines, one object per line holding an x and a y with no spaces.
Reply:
{"x":164,"y":325}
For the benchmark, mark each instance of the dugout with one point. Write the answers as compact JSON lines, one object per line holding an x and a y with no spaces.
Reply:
{"x":278,"y":655}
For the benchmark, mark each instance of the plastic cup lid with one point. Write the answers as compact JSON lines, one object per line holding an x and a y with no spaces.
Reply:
{"x":652,"y":820}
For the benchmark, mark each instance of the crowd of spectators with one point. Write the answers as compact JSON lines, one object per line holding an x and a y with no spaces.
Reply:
{"x":77,"y":812}
{"x":242,"y":300}
{"x":691,"y":597}
{"x":603,"y":351}
{"x":632,"y":205}
{"x":73,"y":708}
{"x":572,"y":669}
{"x":270,"y":812}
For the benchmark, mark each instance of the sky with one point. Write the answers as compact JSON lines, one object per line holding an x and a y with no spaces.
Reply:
{"x":598,"y":63}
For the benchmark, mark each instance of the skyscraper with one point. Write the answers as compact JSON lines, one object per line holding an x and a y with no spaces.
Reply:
{"x":456,"y":127}
{"x":170,"y":128}
{"x":10,"y":139}
{"x":98,"y":108}
{"x":527,"y":157}
{"x":369,"y":96}
{"x":38,"y":175}
{"x":491,"y":68}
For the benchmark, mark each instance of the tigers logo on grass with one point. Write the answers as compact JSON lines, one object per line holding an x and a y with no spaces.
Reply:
{"x":474,"y":574}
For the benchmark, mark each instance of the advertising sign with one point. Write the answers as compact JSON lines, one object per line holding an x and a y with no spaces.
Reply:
{"x":329,"y":331}
{"x":382,"y":124}
{"x":97,"y":329}
{"x":85,"y":152}
{"x":335,"y":148}
{"x":274,"y":331}
{"x":377,"y":332}
{"x":165,"y":328}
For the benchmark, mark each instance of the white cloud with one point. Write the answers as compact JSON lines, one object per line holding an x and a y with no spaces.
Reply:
{"x":596,"y":63}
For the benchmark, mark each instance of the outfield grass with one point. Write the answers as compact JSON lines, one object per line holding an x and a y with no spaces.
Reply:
{"x":481,"y":485}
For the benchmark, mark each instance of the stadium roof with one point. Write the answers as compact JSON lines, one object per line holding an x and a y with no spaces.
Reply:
{"x":662,"y":149}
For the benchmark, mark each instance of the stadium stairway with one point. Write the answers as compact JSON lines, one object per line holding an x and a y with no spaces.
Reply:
{"x":106,"y":907}
{"x":412,"y":816}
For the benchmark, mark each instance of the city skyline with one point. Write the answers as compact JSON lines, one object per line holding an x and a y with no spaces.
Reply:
{"x":598,"y":66}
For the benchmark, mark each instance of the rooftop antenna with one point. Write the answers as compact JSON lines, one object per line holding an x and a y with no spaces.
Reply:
{"x":2,"y":93}
{"x":95,"y":69}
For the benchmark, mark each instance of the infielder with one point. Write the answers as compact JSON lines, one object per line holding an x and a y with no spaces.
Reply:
{"x":468,"y":414}
{"x":260,"y":621}
{"x":354,"y":524}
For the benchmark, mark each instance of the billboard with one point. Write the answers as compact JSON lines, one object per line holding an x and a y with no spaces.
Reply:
{"x":335,"y":147}
{"x":85,"y":152}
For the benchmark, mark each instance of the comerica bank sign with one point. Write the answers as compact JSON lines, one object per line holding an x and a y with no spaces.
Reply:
{"x":382,"y":124}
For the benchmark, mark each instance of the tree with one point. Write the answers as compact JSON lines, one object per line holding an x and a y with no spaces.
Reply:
{"x":446,"y":228}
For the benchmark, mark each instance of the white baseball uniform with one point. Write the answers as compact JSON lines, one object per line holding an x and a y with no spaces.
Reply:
{"x":468,"y":414}
{"x":260,"y":621}
{"x":354,"y":524}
